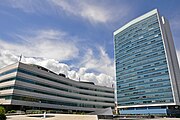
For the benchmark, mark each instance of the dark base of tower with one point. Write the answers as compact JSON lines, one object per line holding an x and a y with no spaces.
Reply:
{"x":167,"y":111}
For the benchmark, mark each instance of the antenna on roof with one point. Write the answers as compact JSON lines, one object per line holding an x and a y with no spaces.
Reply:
{"x":112,"y":85}
{"x":20,"y":57}
{"x":79,"y":79}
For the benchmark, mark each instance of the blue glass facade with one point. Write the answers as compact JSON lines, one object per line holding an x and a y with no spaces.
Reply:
{"x":142,"y":74}
{"x":145,"y":110}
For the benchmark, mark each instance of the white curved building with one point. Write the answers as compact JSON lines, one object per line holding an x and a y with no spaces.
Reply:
{"x":24,"y":86}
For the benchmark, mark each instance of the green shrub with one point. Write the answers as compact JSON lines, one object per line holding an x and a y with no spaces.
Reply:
{"x":2,"y":110}
{"x":51,"y":111}
{"x":13,"y":111}
{"x":82,"y":113}
{"x":2,"y":113}
{"x":2,"y":117}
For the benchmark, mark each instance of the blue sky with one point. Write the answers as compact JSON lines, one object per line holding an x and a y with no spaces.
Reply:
{"x":74,"y":37}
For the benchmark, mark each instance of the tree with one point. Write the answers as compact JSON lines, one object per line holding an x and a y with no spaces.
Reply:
{"x":2,"y":113}
{"x":2,"y":110}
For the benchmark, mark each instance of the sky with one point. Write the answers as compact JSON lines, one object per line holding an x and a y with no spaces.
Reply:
{"x":74,"y":37}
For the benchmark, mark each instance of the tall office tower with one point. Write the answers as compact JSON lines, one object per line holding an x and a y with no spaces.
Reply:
{"x":147,"y":71}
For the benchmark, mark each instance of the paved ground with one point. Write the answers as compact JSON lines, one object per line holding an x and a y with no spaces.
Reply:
{"x":73,"y":117}
{"x":56,"y":117}
{"x":147,"y":119}
{"x":164,"y":119}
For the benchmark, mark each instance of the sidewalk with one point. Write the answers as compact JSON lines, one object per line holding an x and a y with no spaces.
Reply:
{"x":56,"y":117}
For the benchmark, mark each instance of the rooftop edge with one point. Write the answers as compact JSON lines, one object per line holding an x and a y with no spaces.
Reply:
{"x":152,"y":12}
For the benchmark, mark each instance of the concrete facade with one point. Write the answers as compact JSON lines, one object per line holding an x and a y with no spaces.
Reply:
{"x":32,"y":86}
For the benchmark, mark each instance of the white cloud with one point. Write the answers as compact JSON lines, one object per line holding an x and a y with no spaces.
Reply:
{"x":44,"y":43}
{"x":7,"y":57}
{"x":49,"y":47}
{"x":102,"y":63}
{"x":99,"y":63}
{"x":85,"y":9}
{"x":93,"y":11}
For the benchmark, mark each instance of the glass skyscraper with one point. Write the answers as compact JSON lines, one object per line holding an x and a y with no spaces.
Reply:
{"x":147,"y":71}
